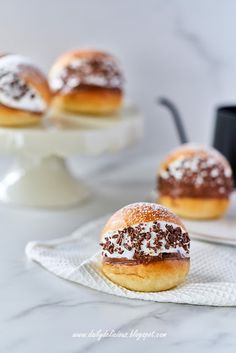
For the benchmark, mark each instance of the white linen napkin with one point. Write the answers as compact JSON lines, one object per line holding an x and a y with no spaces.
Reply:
{"x":212,"y":278}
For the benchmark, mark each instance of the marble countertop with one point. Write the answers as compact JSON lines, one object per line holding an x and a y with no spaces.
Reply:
{"x":40,"y":312}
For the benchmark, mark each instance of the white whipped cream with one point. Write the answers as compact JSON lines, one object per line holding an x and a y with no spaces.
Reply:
{"x":183,"y":165}
{"x":178,"y":167}
{"x":10,"y":91}
{"x":57,"y":77}
{"x":129,"y":254}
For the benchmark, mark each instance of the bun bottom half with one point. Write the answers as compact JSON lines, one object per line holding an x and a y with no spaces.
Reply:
{"x":196,"y":208}
{"x":89,"y":101}
{"x":18,"y":118}
{"x":152,"y":277}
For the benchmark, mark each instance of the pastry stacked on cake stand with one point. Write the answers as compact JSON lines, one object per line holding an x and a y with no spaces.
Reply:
{"x":81,"y":112}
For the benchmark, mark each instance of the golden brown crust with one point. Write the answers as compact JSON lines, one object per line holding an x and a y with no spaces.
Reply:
{"x":137,"y":213}
{"x":85,"y":98}
{"x":152,"y":277}
{"x":10,"y":117}
{"x":90,"y":100}
{"x":195,"y":208}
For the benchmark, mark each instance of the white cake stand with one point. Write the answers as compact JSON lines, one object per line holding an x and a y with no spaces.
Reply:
{"x":40,"y":176}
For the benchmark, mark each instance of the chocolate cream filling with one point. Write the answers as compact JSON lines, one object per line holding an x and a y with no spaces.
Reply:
{"x":206,"y":180}
{"x":147,"y":259}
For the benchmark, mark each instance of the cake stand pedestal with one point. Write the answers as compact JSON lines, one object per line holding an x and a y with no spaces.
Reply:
{"x":40,"y":176}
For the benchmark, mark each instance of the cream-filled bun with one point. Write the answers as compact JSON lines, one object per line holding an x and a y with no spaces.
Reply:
{"x":87,"y":82}
{"x":195,"y":182}
{"x":24,"y":92}
{"x":145,"y":247}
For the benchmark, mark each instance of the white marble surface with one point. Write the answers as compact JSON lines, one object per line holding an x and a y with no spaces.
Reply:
{"x":39,"y":312}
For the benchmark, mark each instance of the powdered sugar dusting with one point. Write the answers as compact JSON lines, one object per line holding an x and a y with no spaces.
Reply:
{"x":147,"y":207}
{"x":140,"y":211}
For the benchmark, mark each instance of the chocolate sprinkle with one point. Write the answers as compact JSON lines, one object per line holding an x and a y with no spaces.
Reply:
{"x":104,"y":73}
{"x":13,"y":87}
{"x":136,"y":238}
{"x":207,"y":179}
